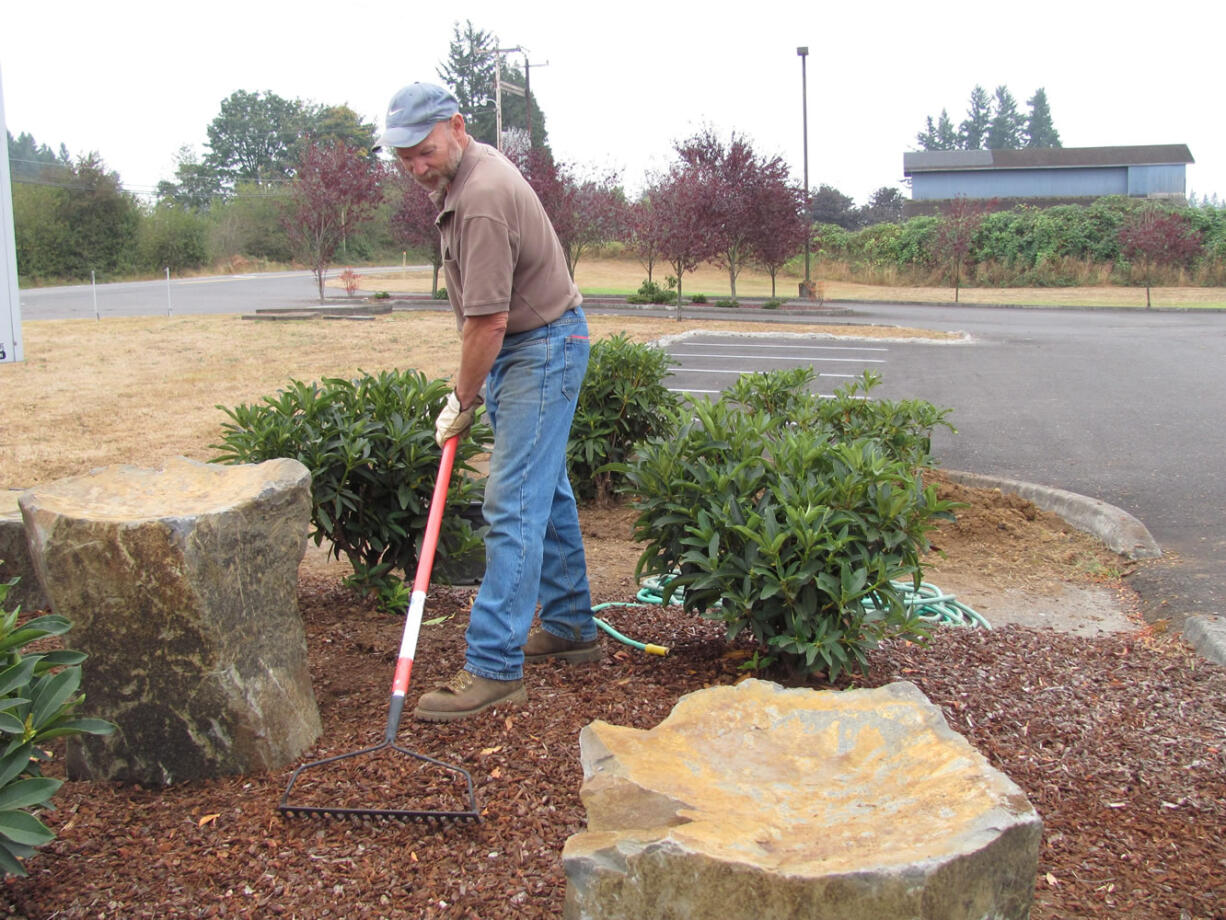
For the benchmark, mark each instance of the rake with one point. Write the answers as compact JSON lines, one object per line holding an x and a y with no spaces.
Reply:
{"x":461,"y":780}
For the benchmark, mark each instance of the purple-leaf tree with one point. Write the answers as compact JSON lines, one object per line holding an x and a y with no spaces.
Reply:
{"x":335,"y":189}
{"x":688,"y":228}
{"x":586,"y":214}
{"x":644,"y":227}
{"x":739,"y":178}
{"x":413,"y":224}
{"x":782,"y":227}
{"x":955,"y":235}
{"x":1157,"y":237}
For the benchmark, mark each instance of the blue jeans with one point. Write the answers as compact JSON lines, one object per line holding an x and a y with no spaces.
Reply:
{"x":533,"y":549}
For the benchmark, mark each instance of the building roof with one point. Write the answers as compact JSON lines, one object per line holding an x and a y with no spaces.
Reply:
{"x":1044,"y":158}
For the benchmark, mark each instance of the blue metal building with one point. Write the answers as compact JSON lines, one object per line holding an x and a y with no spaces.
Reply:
{"x":1049,"y":174}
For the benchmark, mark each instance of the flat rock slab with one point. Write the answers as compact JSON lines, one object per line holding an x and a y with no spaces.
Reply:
{"x":182,"y":587}
{"x":755,"y":801}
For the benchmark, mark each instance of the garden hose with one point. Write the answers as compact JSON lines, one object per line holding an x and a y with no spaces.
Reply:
{"x":935,"y":607}
{"x":928,"y":602}
{"x":647,"y":647}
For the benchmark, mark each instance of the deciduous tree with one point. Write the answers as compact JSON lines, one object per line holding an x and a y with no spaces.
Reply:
{"x":884,"y":207}
{"x":585,"y":213}
{"x":595,"y":214}
{"x":335,"y":189}
{"x":782,"y":227}
{"x":687,"y":234}
{"x":413,"y":222}
{"x":75,"y":219}
{"x":254,"y":137}
{"x":197,"y":184}
{"x":1157,"y":237}
{"x":645,"y":228}
{"x":735,"y":175}
{"x":830,"y":206}
{"x":960,"y":221}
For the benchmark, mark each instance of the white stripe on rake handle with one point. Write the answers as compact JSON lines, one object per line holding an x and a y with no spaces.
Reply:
{"x":408,"y":644}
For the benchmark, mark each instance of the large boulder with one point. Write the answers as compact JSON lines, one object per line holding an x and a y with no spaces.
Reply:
{"x":754,"y":801}
{"x":15,"y":561}
{"x":182,"y":587}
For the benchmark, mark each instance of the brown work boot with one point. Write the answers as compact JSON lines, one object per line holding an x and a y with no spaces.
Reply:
{"x":543,"y":645}
{"x":466,"y":694}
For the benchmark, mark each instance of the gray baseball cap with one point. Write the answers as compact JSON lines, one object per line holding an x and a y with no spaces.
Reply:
{"x":413,"y":112}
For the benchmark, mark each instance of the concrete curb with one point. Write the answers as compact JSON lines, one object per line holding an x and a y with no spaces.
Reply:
{"x":1117,"y":529}
{"x":1208,"y":636}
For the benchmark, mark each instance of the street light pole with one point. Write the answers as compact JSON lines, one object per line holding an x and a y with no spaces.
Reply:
{"x":804,"y":103}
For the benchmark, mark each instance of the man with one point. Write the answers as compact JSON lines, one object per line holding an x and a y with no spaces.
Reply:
{"x":524,"y":338}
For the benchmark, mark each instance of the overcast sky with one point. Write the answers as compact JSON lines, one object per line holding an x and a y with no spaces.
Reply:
{"x":135,"y":81}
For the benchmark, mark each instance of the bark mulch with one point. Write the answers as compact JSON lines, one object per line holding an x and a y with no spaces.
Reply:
{"x":1119,"y":741}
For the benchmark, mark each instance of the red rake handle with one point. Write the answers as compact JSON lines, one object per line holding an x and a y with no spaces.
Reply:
{"x":417,"y":601}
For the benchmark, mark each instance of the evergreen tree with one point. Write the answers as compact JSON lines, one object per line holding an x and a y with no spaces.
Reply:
{"x":28,"y":158}
{"x":1005,"y":130}
{"x":469,"y":73}
{"x":941,"y":136}
{"x":1040,"y":131}
{"x":974,"y":129}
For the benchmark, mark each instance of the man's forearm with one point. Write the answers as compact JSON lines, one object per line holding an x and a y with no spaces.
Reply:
{"x":480,"y":342}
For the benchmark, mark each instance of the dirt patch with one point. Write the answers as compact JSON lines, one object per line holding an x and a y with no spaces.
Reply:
{"x":1016,"y":564}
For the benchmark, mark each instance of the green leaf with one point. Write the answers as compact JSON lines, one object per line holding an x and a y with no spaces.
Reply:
{"x":18,"y":675}
{"x":23,"y":828}
{"x":13,"y":763}
{"x":77,"y":727}
{"x":27,"y":792}
{"x":9,"y":862}
{"x":51,"y":694}
{"x":11,"y":725}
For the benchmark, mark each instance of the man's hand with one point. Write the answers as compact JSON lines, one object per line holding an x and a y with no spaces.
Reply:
{"x":453,"y":420}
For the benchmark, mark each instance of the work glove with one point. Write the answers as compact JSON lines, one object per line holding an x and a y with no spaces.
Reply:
{"x":453,"y":420}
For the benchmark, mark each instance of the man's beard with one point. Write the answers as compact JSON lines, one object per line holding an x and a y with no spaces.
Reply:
{"x":436,"y":181}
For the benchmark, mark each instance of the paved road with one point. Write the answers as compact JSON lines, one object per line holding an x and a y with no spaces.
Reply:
{"x":1122,"y":406}
{"x":182,"y":296}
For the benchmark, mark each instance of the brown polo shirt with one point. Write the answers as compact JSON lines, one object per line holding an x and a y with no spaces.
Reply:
{"x":500,"y":251}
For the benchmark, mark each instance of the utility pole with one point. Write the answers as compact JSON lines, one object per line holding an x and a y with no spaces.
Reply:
{"x":498,"y":87}
{"x":804,"y":103}
{"x":528,"y":93}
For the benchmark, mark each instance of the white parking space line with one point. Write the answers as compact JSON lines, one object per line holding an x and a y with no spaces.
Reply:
{"x":792,"y":358}
{"x":784,"y":347}
{"x":751,"y":358}
{"x":729,"y":370}
{"x":686,"y":391}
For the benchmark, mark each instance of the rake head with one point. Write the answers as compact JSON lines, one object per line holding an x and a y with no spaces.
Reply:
{"x":444,"y":790}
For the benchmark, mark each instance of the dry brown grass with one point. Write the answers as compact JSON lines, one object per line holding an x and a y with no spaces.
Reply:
{"x":139,"y":390}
